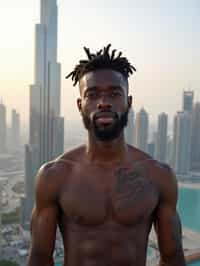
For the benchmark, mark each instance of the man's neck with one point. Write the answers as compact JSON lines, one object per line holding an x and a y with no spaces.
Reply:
{"x":106,"y":151}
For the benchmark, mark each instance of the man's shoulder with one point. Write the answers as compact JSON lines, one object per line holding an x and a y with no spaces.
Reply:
{"x":160,"y":168}
{"x":72,"y":157}
{"x":164,"y":177}
{"x":68,"y":158}
{"x":138,"y":155}
{"x":156,"y":167}
{"x":61,"y":166}
{"x":160,"y":174}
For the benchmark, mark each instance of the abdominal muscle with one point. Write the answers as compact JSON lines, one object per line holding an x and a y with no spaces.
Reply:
{"x":104,"y":245}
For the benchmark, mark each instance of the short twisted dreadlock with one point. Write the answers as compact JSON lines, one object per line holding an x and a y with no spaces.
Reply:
{"x":101,"y":60}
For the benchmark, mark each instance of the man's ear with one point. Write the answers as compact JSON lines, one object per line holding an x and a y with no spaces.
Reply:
{"x":79,"y":104}
{"x":130,"y":99}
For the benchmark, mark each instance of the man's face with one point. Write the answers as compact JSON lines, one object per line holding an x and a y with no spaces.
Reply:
{"x":104,"y":103}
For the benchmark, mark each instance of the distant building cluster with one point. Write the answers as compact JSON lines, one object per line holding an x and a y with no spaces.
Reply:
{"x":10,"y":137}
{"x":182,"y":149}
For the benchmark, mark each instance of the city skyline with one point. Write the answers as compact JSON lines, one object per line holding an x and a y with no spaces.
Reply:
{"x":161,"y":41}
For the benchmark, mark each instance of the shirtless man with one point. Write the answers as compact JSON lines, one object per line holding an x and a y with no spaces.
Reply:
{"x":106,"y":195}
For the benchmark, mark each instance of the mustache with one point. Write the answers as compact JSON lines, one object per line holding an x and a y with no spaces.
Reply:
{"x":105,"y":114}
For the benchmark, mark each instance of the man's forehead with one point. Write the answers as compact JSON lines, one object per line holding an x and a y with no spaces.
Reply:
{"x":104,"y":77}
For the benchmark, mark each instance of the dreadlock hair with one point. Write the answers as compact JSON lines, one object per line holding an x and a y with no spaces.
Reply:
{"x":101,"y":60}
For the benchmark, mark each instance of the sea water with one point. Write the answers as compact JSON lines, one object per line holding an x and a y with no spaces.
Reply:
{"x":189,"y":211}
{"x":195,"y":263}
{"x":189,"y":208}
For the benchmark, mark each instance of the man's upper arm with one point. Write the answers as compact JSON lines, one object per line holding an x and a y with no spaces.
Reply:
{"x":167,"y":223}
{"x":44,"y":218}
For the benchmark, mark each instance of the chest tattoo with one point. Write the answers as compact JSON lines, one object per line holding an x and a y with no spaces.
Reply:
{"x":131,"y":186}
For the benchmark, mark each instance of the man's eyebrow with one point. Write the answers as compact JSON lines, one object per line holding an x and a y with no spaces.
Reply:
{"x":111,"y":87}
{"x":91,"y":88}
{"x":94,"y":88}
{"x":116,"y":87}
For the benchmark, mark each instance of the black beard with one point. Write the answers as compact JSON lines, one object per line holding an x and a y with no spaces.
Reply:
{"x":106,"y":133}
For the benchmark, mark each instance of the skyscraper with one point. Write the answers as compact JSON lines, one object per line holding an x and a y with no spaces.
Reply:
{"x":182,"y":142}
{"x":169,"y":156}
{"x":188,"y":101}
{"x":151,"y":149}
{"x":161,"y":138}
{"x":3,"y":127}
{"x":129,"y":130}
{"x":15,"y":130}
{"x":141,"y":130}
{"x":195,"y":139}
{"x":174,"y":142}
{"x":46,"y":139}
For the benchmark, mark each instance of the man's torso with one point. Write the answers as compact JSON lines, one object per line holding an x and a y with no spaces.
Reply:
{"x":106,"y":212}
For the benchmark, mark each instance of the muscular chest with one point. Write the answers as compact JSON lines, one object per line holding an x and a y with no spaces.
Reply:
{"x":124,"y":195}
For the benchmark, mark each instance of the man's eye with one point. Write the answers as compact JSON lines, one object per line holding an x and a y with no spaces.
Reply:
{"x":91,"y":95}
{"x":115,"y":94}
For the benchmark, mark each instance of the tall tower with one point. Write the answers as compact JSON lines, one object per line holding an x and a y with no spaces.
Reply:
{"x":161,"y":138}
{"x":15,"y":130}
{"x":188,"y":101}
{"x":169,"y":153}
{"x":46,"y":138}
{"x":141,"y":130}
{"x":182,"y":142}
{"x":195,"y":140}
{"x":174,"y":142}
{"x":3,"y":127}
{"x":129,"y":132}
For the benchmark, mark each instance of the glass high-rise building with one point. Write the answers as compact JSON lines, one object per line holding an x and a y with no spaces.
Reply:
{"x":151,"y":149}
{"x":3,"y":128}
{"x":182,"y":143}
{"x":161,"y":138}
{"x":195,"y":140}
{"x":15,"y":130}
{"x":46,"y":139}
{"x":188,"y":101}
{"x":129,"y":130}
{"x":141,"y":129}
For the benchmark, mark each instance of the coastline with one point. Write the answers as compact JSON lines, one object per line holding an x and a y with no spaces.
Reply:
{"x":193,"y":257}
{"x":190,"y":256}
{"x":191,"y":247}
{"x":189,"y":185}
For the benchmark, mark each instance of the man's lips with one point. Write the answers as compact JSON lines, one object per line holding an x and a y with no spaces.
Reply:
{"x":105,"y":117}
{"x":105,"y":120}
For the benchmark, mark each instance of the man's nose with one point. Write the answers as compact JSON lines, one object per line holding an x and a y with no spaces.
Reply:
{"x":104,"y":104}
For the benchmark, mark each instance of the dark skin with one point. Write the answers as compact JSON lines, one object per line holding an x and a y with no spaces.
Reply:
{"x":105,"y":196}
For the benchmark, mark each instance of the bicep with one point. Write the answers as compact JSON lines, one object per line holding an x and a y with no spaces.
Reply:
{"x":168,"y":229}
{"x":43,"y":230}
{"x":43,"y":220}
{"x":167,"y":221}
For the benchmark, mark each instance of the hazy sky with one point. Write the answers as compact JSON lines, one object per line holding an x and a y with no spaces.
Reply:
{"x":161,"y":38}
